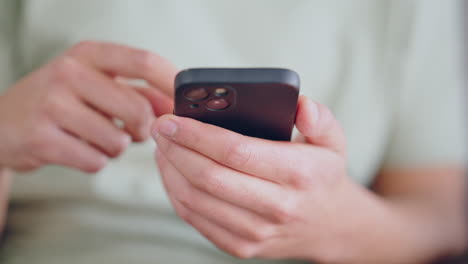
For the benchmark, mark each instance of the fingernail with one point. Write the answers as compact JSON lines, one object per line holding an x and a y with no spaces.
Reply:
{"x":167,"y":128}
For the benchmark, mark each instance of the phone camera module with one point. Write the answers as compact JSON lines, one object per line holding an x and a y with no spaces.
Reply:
{"x":220,"y":92}
{"x":196,"y":94}
{"x":217,"y":104}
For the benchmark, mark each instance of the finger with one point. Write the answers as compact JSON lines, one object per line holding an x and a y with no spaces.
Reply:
{"x":96,"y":130}
{"x":250,"y":155}
{"x":239,"y":221}
{"x":129,"y":62}
{"x":114,"y":99}
{"x":161,"y":103}
{"x":317,"y":123}
{"x":219,"y":236}
{"x":226,"y":184}
{"x":69,"y":151}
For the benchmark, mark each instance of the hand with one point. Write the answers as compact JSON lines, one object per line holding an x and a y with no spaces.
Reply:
{"x":257,"y":198}
{"x":64,"y":112}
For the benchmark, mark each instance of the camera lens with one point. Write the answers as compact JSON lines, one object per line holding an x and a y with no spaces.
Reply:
{"x":221,"y":91}
{"x":217,"y":104}
{"x":196,"y":94}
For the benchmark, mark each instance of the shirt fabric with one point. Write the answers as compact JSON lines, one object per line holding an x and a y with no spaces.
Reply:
{"x":390,"y":70}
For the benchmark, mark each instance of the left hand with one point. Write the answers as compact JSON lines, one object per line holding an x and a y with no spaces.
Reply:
{"x":257,"y":198}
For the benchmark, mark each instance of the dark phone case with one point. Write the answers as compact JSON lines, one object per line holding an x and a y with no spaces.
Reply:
{"x":263,"y":100}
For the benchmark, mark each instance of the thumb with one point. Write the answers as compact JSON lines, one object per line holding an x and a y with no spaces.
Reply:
{"x":319,"y":127}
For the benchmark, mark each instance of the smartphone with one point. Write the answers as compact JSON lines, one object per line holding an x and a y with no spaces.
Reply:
{"x":256,"y":102}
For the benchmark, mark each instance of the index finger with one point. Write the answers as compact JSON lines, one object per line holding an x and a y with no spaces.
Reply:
{"x":126,"y":61}
{"x":270,"y":160}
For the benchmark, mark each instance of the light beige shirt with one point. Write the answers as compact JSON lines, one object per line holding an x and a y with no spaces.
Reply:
{"x":389,"y":69}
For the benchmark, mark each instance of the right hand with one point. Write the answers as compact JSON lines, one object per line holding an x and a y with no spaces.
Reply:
{"x":64,"y":112}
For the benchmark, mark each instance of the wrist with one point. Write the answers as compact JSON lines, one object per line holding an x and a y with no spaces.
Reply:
{"x":435,"y":229}
{"x":377,"y":230}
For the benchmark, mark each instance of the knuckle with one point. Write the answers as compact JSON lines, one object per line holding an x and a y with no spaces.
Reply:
{"x":146,"y":109}
{"x":119,"y":145}
{"x":209,"y":180}
{"x":146,"y":61}
{"x":81,"y":47}
{"x":30,"y":164}
{"x":187,"y":198}
{"x":242,"y":250}
{"x":62,"y":70}
{"x":142,"y":115}
{"x":95,"y":165}
{"x":206,"y":173}
{"x":299,"y":179}
{"x":284,"y":211}
{"x":183,"y":213}
{"x":53,"y":104}
{"x":141,"y":111}
{"x":262,"y":233}
{"x":281,"y":215}
{"x":238,"y":154}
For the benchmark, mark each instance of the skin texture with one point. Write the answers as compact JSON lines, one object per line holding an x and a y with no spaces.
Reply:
{"x":263,"y":199}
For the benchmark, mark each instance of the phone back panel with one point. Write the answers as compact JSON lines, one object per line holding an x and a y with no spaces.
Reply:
{"x":262,"y":102}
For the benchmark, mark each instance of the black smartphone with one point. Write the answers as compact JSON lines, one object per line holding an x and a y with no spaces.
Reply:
{"x":257,"y":102}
